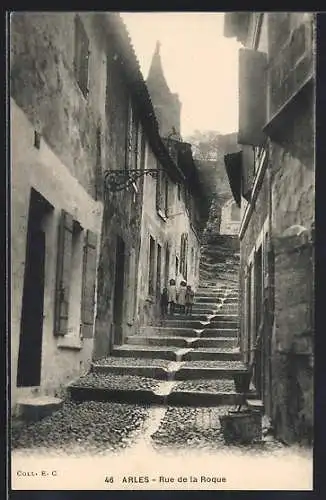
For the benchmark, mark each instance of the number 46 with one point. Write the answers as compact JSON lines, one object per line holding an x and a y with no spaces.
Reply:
{"x":109,"y":479}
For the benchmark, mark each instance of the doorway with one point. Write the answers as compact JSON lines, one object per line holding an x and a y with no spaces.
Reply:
{"x":258,"y":319}
{"x":31,"y":324}
{"x":119,"y":290}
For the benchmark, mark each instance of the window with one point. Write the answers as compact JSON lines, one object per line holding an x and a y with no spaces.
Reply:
{"x":176,"y":266}
{"x":162,"y":192}
{"x":75,"y":282}
{"x":158,"y":269}
{"x":81,"y":56}
{"x":151,"y":275}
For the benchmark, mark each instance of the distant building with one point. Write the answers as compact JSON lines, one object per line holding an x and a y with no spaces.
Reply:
{"x":230,"y":218}
{"x":272,"y":179}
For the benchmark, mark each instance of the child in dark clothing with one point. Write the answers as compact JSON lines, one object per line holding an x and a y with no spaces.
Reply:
{"x":189,"y":299}
{"x":164,"y":302}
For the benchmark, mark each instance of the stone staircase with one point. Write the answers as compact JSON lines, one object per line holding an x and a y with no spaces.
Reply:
{"x":183,"y":360}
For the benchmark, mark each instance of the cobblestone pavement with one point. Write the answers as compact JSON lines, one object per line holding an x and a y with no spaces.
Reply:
{"x":160,"y":443}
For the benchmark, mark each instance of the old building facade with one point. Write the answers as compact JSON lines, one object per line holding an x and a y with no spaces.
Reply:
{"x":272,"y":178}
{"x":174,"y":206}
{"x":57,"y":92}
{"x":82,"y":121}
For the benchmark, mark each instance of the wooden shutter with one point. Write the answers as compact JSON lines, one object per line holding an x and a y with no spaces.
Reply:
{"x":248,"y":171}
{"x":88,"y":284}
{"x":233,"y":166}
{"x":252,"y":97}
{"x":63,"y":274}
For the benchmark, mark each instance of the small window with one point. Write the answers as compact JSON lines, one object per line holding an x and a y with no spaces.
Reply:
{"x":81,"y":56}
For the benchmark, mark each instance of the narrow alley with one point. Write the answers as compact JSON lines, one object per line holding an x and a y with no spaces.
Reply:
{"x":162,"y":249}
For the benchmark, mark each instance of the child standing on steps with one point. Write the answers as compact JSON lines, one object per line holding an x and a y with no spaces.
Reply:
{"x":164,"y":303}
{"x":172,"y":295}
{"x":189,"y":299}
{"x":182,"y":296}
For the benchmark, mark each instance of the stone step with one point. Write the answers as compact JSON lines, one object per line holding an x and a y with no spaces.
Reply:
{"x":207,"y":299}
{"x":186,"y":317}
{"x":218,"y":342}
{"x":224,"y":317}
{"x":143,"y":351}
{"x":194,"y":370}
{"x":216,"y":322}
{"x":150,"y":331}
{"x":133,"y":367}
{"x":201,"y":308}
{"x":146,"y":397}
{"x":219,"y":324}
{"x":176,"y":354}
{"x":193,"y":342}
{"x":138,"y":390}
{"x":219,"y":332}
{"x":156,"y":340}
{"x":160,"y":370}
{"x":214,"y":354}
{"x":36,"y":408}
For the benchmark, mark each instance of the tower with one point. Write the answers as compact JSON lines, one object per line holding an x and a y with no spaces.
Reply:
{"x":166,"y":104}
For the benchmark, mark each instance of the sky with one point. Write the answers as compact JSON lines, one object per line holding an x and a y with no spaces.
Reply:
{"x":199,"y":64}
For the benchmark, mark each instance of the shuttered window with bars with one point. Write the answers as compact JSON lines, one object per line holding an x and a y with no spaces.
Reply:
{"x":64,"y":277}
{"x":88,"y":284}
{"x":64,"y":254}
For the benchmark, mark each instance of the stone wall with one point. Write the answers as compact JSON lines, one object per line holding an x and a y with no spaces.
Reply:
{"x":121,"y":218}
{"x":46,"y":99}
{"x":166,"y":232}
{"x":44,"y":86}
{"x":293,"y":337}
{"x":41,"y":169}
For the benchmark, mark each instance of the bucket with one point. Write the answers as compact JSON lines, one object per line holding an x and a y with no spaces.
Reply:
{"x":241,"y":427}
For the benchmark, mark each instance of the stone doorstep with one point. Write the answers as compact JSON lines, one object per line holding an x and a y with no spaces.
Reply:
{"x":36,"y":408}
{"x":180,"y":398}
